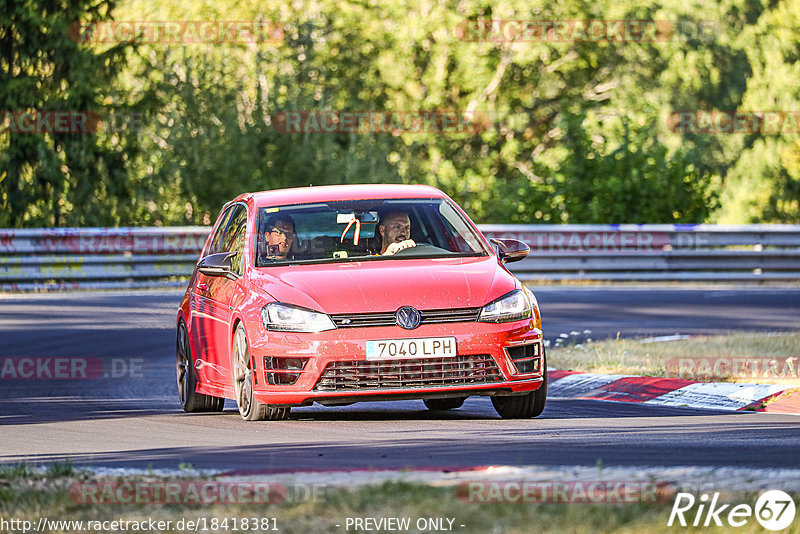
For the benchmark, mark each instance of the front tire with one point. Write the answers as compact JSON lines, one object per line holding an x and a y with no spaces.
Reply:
{"x":444,"y":404}
{"x":524,"y":406}
{"x":191,"y":401}
{"x":249,"y":408}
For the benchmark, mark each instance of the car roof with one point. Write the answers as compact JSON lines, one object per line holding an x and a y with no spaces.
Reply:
{"x":325,"y":193}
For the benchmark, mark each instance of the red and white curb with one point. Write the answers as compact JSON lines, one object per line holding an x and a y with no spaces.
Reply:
{"x":775,"y":398}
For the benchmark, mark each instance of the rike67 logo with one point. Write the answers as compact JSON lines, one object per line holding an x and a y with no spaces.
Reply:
{"x":774,"y":510}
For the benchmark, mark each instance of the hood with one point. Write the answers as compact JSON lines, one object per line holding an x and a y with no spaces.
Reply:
{"x":385,"y":285}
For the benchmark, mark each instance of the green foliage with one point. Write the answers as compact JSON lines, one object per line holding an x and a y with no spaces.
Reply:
{"x":16,"y":471}
{"x":576,"y":130}
{"x":58,"y":179}
{"x":764,"y":183}
{"x":634,"y":179}
{"x":59,"y":469}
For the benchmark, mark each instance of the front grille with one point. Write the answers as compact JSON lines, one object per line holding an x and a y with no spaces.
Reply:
{"x":450,"y":315}
{"x":410,"y":373}
{"x":355,"y":320}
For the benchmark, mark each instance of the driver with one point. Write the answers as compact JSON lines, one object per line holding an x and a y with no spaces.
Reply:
{"x":279,"y":236}
{"x":395,"y":232}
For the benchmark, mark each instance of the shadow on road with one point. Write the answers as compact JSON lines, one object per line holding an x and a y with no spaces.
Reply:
{"x":668,"y":444}
{"x":21,"y":410}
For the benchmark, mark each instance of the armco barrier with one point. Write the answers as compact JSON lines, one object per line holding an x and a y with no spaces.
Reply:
{"x":71,"y":258}
{"x":665,"y":252}
{"x":86,"y":258}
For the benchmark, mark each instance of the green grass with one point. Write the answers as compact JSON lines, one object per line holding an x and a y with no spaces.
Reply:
{"x":10,"y":472}
{"x":35,"y":496}
{"x":15,"y":471}
{"x":631,"y":356}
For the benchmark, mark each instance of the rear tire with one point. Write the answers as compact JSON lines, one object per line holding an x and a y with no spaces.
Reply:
{"x":524,"y":406}
{"x":191,"y":401}
{"x":249,"y":408}
{"x":444,"y":404}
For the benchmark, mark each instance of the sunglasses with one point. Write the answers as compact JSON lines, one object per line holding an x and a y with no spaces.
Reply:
{"x":287,"y":235}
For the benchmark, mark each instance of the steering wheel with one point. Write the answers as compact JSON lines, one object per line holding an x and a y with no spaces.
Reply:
{"x":422,"y":249}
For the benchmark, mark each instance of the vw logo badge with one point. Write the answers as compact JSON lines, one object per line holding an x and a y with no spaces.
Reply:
{"x":407,"y":317}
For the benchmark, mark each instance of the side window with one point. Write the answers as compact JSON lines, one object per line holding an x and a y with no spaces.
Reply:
{"x":214,"y":244}
{"x":233,"y":240}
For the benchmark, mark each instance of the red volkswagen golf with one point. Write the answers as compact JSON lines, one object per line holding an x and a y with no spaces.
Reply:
{"x":342,"y":294}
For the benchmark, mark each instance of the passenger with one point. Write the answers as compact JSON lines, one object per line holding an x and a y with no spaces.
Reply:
{"x":279,"y":236}
{"x":394,"y":230}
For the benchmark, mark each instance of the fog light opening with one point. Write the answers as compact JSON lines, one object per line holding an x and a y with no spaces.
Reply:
{"x":525,"y":358}
{"x":283,"y":371}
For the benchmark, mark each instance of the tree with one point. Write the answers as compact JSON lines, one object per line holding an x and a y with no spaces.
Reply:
{"x":764,"y":183}
{"x":58,"y":178}
{"x":572,"y":129}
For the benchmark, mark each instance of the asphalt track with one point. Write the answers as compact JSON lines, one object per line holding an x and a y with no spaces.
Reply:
{"x":136,"y":421}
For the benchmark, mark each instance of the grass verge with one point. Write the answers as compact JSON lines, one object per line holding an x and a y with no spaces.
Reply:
{"x":28,"y":498}
{"x":746,"y":357}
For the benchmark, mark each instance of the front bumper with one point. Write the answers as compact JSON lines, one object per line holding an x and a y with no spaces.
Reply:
{"x":485,"y":369}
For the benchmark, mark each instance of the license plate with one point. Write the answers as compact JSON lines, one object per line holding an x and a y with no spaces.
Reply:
{"x":428,"y":347}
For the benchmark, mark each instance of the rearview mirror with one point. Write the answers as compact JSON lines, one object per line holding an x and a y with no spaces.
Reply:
{"x":366,"y":217}
{"x":511,"y":250}
{"x":218,"y":265}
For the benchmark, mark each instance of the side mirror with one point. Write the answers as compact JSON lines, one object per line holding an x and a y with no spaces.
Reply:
{"x":511,"y":250}
{"x":218,"y":265}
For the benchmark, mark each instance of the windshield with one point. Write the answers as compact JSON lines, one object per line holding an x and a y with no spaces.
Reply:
{"x":363,"y":230}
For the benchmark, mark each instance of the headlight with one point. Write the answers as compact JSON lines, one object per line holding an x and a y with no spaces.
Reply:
{"x":537,"y":314}
{"x":510,"y":307}
{"x":531,"y":297}
{"x":287,"y":318}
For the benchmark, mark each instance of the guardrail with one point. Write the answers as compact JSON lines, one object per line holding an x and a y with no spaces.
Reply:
{"x":663,"y":252}
{"x":74,"y":258}
{"x":88,"y":258}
